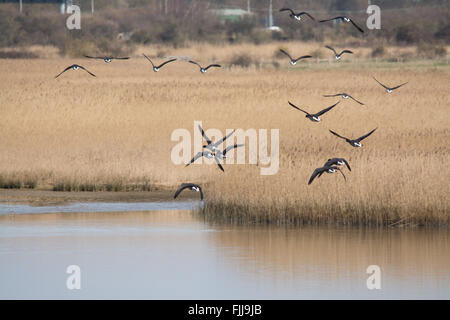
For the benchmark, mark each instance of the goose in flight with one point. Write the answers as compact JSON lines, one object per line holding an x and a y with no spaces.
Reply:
{"x":356,"y":142}
{"x":213,"y":146}
{"x":191,"y":186}
{"x":207,"y":154}
{"x":294,"y":61}
{"x":345,"y":19}
{"x":389,"y":90}
{"x":217,"y":155}
{"x":297,"y":16}
{"x":75,"y":67}
{"x":344,"y":96}
{"x":107,"y":59}
{"x":156,"y":68}
{"x":338,"y":55}
{"x":203,"y":70}
{"x":327,"y":169}
{"x":337,"y":162}
{"x":315,"y":117}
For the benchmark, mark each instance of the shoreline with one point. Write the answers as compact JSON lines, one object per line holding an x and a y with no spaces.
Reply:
{"x":35,"y":197}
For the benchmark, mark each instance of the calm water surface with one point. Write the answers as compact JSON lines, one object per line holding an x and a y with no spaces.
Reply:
{"x":174,"y":254}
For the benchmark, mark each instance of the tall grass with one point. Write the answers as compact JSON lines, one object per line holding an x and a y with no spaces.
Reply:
{"x":113,"y":132}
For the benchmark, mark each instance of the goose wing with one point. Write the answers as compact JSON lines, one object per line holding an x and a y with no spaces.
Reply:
{"x":336,"y":168}
{"x":326,"y":109}
{"x":208,"y":140}
{"x":345,"y":51}
{"x":302,"y":57}
{"x":231,"y":148}
{"x":315,"y":173}
{"x":198,"y":155}
{"x":218,"y":163}
{"x":337,"y":135}
{"x":193,"y":62}
{"x":81,"y":67}
{"x":307,"y":14}
{"x":333,"y":95}
{"x":356,"y":26}
{"x":292,"y":105}
{"x":224,"y":138}
{"x":366,"y":135}
{"x":69,"y":67}
{"x":381,"y":83}
{"x":287,"y":54}
{"x":120,"y":58}
{"x":91,"y":57}
{"x":287,"y":9}
{"x":346,"y":164}
{"x":181,"y":188}
{"x":399,"y":86}
{"x":213,"y":65}
{"x":356,"y":100}
{"x":332,"y":49}
{"x":149,"y":60}
{"x":342,"y":18}
{"x":166,"y":62}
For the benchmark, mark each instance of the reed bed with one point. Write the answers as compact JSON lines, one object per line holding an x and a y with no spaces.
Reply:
{"x":113,"y":133}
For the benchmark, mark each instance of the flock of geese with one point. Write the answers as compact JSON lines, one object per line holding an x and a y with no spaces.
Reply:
{"x":211,"y":149}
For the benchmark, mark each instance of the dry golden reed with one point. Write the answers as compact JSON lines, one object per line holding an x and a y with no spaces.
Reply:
{"x":115,"y":130}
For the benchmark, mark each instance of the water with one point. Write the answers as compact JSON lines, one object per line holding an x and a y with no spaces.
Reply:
{"x":174,"y":254}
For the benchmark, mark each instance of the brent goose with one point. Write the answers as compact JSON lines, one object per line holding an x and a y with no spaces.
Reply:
{"x":338,"y":55}
{"x":107,"y":59}
{"x":191,"y":186}
{"x":389,"y":90}
{"x":315,"y":117}
{"x":297,"y":16}
{"x":327,"y":169}
{"x":75,"y":67}
{"x":344,"y":96}
{"x":337,"y":162}
{"x":156,"y":68}
{"x":345,"y":19}
{"x":294,"y":61}
{"x":203,"y":70}
{"x":356,"y":142}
